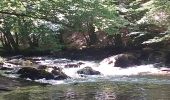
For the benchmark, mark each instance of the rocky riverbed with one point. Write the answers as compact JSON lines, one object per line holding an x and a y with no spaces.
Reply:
{"x":56,"y":69}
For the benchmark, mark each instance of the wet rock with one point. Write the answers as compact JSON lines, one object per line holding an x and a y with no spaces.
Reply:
{"x":121,"y":60}
{"x":37,"y":59}
{"x":72,"y":66}
{"x":125,"y":60}
{"x":88,"y":71}
{"x":20,"y":62}
{"x":110,"y":62}
{"x":15,"y":61}
{"x":62,"y":61}
{"x":80,"y":63}
{"x":59,"y":75}
{"x":77,"y":65}
{"x":166,"y":69}
{"x":34,"y":60}
{"x":6,"y":68}
{"x":27,"y":63}
{"x":42,"y":67}
{"x":32,"y":73}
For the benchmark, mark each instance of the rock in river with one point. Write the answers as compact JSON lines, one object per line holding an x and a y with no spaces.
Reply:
{"x":121,"y":60}
{"x":88,"y":71}
{"x":32,"y":73}
{"x":126,"y":60}
{"x":59,"y":75}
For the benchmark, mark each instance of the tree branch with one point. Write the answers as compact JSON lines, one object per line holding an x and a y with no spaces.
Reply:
{"x":56,"y":21}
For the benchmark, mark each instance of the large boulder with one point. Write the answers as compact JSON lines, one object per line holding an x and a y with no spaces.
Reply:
{"x":125,"y":60}
{"x":32,"y":73}
{"x":88,"y":71}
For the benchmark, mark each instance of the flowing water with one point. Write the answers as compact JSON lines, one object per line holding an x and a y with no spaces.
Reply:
{"x":114,"y":83}
{"x":128,"y":89}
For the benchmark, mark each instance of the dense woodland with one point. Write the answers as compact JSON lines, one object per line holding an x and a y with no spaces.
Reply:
{"x":53,"y":25}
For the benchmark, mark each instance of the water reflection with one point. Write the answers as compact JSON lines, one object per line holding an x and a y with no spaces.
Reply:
{"x":70,"y":94}
{"x":92,"y":91}
{"x":106,"y":95}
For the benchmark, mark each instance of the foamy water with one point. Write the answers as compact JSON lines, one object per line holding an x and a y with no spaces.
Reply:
{"x":103,"y":67}
{"x":107,"y":70}
{"x":135,"y":70}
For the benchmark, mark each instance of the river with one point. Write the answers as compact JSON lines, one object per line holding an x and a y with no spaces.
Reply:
{"x":114,"y":83}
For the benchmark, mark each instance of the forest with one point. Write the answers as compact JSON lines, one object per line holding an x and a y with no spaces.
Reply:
{"x":72,"y":40}
{"x":79,"y":24}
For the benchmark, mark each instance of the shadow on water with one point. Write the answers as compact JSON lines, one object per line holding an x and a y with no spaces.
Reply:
{"x":92,"y":91}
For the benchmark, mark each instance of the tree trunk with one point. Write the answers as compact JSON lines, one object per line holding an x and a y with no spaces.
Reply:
{"x":92,"y":35}
{"x":16,"y":38}
{"x":11,"y":41}
{"x":33,"y":41}
{"x":6,"y":44}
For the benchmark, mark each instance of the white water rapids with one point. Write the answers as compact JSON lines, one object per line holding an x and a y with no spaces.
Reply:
{"x":106,"y":70}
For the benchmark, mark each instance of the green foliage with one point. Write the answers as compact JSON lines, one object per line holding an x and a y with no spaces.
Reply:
{"x":158,"y":12}
{"x":33,"y":23}
{"x":100,"y":14}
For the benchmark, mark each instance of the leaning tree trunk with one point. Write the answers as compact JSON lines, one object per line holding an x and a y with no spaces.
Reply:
{"x":11,"y":41}
{"x":6,"y":45}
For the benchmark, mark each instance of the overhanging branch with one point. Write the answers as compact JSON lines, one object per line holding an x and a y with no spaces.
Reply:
{"x":56,"y":21}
